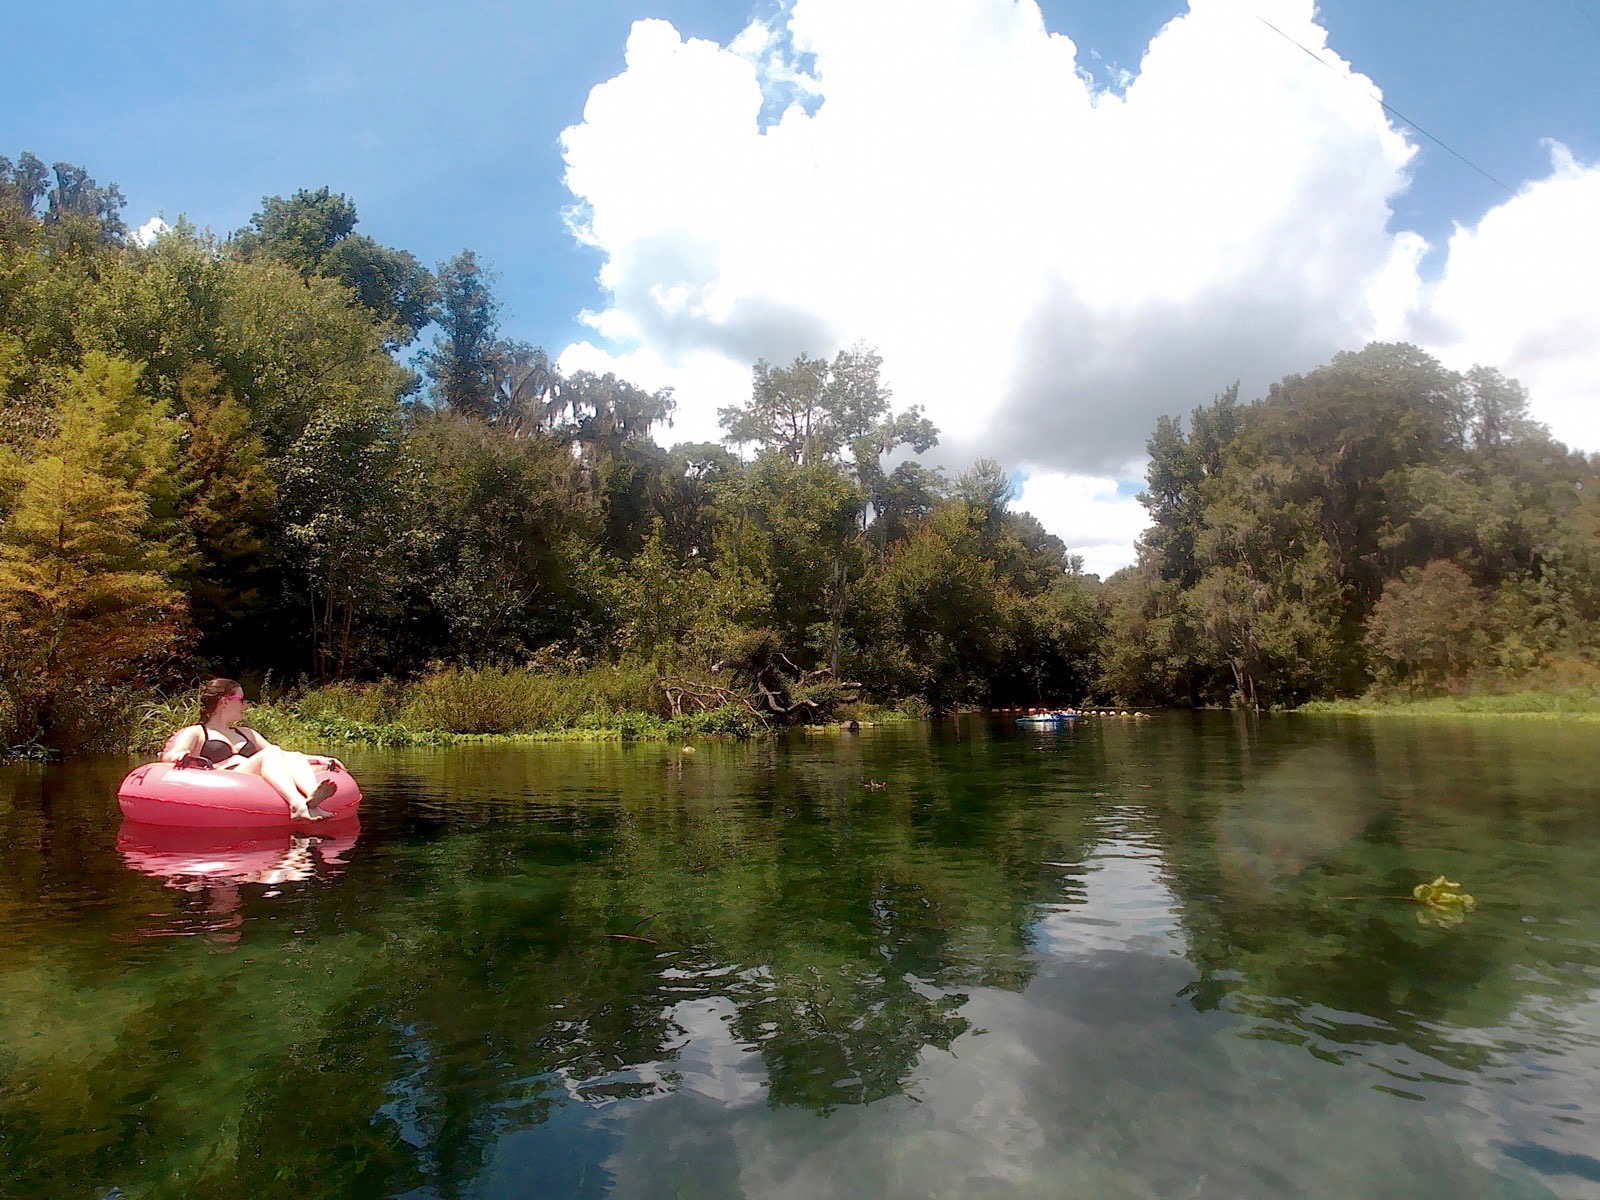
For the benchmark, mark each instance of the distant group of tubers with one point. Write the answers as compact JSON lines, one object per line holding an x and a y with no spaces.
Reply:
{"x":1132,"y":714}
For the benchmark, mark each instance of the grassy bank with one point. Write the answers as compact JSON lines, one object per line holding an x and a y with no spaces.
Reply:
{"x":1576,"y":704}
{"x":453,"y":706}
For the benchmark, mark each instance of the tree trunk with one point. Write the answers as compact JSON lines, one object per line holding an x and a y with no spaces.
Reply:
{"x":316,"y":637}
{"x":836,"y":609}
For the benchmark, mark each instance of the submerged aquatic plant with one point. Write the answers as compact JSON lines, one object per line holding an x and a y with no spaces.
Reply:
{"x":1443,"y":903}
{"x":1440,"y":902}
{"x":1443,"y":893}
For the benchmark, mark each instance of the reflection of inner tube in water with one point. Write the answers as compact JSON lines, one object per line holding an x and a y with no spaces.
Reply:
{"x":192,"y":858}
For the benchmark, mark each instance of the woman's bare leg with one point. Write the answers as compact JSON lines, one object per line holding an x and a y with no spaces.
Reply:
{"x":270,"y":766}
{"x":300,"y":770}
{"x":305,"y":778}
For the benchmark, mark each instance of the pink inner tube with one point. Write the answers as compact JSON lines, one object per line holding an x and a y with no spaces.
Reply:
{"x":163,"y":793}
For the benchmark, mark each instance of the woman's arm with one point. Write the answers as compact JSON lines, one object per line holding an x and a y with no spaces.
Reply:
{"x":257,"y":738}
{"x":316,"y":760}
{"x":187,"y":741}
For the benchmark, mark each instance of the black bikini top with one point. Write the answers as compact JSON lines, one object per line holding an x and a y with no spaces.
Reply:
{"x":227,"y":750}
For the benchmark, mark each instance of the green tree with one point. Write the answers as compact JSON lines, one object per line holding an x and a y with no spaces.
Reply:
{"x":690,"y":475}
{"x":24,"y":183}
{"x":986,"y":489}
{"x":812,"y":410}
{"x":1179,"y":467}
{"x":944,"y":610}
{"x":463,"y":362}
{"x":1058,"y":639}
{"x":1345,"y":431}
{"x":347,"y":486}
{"x":1428,"y":629}
{"x":608,"y":425}
{"x":1278,"y":525}
{"x":88,"y":560}
{"x":904,"y":498}
{"x":82,"y":213}
{"x":161,"y":306}
{"x":786,"y":412}
{"x":62,"y":203}
{"x":673,"y":610}
{"x":1275,"y":636}
{"x":795,"y":528}
{"x":1498,"y":411}
{"x":1268,"y":604}
{"x":529,"y":397}
{"x":807,"y":414}
{"x":1152,"y":653}
{"x":291,"y":348}
{"x":509,"y":534}
{"x":314,"y":232}
{"x":230,"y":507}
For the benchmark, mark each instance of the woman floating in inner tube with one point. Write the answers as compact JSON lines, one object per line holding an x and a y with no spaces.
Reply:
{"x":232,"y":747}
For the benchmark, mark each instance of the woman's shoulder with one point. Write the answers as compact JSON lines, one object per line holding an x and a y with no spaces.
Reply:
{"x":187,"y":740}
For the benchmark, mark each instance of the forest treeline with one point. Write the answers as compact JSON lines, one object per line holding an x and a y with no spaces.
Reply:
{"x":295,"y":451}
{"x":1379,"y":522}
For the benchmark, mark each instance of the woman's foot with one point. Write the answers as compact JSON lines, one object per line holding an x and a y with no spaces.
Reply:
{"x":312,"y":809}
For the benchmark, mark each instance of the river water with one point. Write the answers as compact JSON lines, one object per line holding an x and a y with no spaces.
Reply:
{"x":1168,"y":958}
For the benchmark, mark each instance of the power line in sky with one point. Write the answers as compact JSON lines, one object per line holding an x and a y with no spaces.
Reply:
{"x":1388,"y":108}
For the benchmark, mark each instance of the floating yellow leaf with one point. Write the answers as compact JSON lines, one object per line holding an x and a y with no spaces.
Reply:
{"x":1443,"y":894}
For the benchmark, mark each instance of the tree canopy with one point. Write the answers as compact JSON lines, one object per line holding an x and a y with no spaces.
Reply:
{"x":212,"y":457}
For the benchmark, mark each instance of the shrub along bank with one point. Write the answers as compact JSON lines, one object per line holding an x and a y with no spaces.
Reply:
{"x":609,"y":702}
{"x":1567,"y":689}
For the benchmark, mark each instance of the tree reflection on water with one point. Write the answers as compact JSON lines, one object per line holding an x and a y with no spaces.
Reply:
{"x":397,"y":1013}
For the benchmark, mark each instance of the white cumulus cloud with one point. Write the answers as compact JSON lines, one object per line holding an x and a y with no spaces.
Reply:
{"x":1088,"y":512}
{"x":1519,"y":292}
{"x":1045,"y":264}
{"x":150,"y":231}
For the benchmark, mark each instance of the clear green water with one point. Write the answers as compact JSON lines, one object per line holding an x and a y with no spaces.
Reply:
{"x":1146,"y":960}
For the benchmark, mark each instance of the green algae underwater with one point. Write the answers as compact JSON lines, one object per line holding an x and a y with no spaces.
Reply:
{"x":1178,"y":957}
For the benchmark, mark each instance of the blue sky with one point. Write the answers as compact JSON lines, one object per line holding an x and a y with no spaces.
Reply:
{"x":444,"y":131}
{"x":445,"y":128}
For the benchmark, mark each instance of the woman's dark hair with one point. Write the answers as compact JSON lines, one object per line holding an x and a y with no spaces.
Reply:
{"x":213,"y":692}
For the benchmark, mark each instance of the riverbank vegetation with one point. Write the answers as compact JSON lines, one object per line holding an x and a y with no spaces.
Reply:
{"x":1568,"y":689}
{"x":295,"y":453}
{"x":1378,"y":526}
{"x":606,"y":702}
